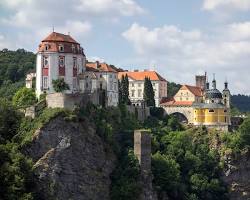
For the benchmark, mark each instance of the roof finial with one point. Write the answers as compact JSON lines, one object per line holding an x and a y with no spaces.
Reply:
{"x":214,"y":76}
{"x":53,"y":28}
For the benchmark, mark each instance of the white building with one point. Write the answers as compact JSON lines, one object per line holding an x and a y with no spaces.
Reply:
{"x":136,"y":85}
{"x":59,"y":56}
{"x":106,"y":78}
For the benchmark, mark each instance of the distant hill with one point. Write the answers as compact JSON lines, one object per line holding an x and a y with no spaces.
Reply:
{"x":242,"y":102}
{"x":14,"y":65}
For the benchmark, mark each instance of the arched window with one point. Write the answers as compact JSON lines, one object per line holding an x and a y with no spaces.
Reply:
{"x":211,"y":111}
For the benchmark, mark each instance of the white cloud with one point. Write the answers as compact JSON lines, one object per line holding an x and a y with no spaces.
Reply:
{"x":230,"y":4}
{"x":110,"y":7}
{"x":180,"y":54}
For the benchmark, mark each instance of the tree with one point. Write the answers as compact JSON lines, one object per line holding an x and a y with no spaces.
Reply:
{"x":24,"y":97}
{"x":9,"y":121}
{"x":15,"y":174}
{"x":245,"y":133}
{"x":59,"y":85}
{"x":166,"y":173}
{"x":124,"y":90}
{"x":148,"y":94}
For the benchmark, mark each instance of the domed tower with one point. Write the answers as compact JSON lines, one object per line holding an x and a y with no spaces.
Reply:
{"x":213,"y":95}
{"x":226,"y":96}
{"x":59,"y":56}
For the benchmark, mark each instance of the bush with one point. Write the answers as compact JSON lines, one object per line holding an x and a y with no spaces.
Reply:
{"x":24,"y":97}
{"x":59,"y":85}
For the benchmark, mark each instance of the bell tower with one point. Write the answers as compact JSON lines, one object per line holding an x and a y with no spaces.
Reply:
{"x":226,"y":96}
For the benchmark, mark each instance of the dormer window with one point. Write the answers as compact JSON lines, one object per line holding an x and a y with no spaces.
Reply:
{"x":46,"y":47}
{"x":61,"y":48}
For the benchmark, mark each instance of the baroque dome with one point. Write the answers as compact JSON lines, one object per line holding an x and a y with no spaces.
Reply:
{"x":213,"y":94}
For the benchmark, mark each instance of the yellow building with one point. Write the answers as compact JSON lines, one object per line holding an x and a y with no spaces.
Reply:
{"x":214,"y":111}
{"x":201,"y":106}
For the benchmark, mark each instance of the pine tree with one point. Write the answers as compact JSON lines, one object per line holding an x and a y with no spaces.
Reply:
{"x":124,"y":90}
{"x":148,"y":94}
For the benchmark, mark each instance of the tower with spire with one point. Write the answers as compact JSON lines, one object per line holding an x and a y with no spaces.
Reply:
{"x":226,"y":95}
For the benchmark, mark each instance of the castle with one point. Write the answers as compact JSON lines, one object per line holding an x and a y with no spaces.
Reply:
{"x":201,"y":105}
{"x":60,"y":56}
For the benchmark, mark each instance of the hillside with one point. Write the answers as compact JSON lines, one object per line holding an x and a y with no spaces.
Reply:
{"x":14,"y":65}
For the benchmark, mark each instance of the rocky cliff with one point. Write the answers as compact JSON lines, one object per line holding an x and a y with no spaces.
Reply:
{"x":71,"y":161}
{"x":237,"y":176}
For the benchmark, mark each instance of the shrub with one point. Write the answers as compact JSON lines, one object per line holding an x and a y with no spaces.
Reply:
{"x":24,"y":97}
{"x":59,"y":85}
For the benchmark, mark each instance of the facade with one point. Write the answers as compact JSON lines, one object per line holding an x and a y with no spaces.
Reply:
{"x":59,"y":56}
{"x":136,"y":85}
{"x":202,"y":106}
{"x":106,"y":79}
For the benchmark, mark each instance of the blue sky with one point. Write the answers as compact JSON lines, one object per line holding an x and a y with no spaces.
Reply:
{"x":177,"y":38}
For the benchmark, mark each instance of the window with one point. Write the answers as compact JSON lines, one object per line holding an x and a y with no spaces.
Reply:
{"x":101,"y":86}
{"x":110,"y":76}
{"x":132,"y":93}
{"x":100,"y":75}
{"x":87,"y":85}
{"x":73,"y":48}
{"x":45,"y":61}
{"x":46,"y":47}
{"x":111,"y":86}
{"x":225,"y":111}
{"x":74,"y":62}
{"x":139,"y":93}
{"x":132,"y":85}
{"x":139,"y":84}
{"x":211,"y":111}
{"x":74,"y":83}
{"x":61,"y":48}
{"x":45,"y":82}
{"x":61,"y":61}
{"x":225,"y":119}
{"x":153,"y":84}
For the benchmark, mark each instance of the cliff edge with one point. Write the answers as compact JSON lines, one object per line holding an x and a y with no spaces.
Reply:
{"x":71,"y":161}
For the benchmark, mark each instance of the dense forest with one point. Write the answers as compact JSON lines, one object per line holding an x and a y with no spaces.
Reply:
{"x":242,"y":102}
{"x":14,"y":65}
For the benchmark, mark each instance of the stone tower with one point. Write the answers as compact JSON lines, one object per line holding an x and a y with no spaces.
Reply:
{"x":226,"y":96}
{"x":142,"y":149}
{"x":201,"y":81}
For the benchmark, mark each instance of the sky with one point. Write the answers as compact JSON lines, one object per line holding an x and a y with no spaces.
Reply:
{"x":177,"y":38}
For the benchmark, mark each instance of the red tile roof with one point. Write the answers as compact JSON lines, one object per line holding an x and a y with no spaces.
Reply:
{"x":140,"y":75}
{"x":177,"y":103}
{"x":197,"y":91}
{"x":59,"y":37}
{"x":103,"y":67}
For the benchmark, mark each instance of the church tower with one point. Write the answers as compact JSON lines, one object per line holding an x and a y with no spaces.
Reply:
{"x":226,"y":96}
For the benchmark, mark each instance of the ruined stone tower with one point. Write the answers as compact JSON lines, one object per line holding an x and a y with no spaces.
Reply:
{"x":142,"y":150}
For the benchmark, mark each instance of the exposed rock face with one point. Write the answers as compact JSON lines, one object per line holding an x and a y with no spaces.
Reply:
{"x":237,"y":176}
{"x":71,"y":162}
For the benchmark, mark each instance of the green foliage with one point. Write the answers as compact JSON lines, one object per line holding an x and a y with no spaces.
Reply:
{"x":29,"y":126}
{"x":173,"y":88}
{"x":148,"y":93}
{"x":59,"y":85}
{"x":14,"y":65}
{"x":166,"y":173}
{"x":15,"y":174}
{"x":9,"y":121}
{"x":245,"y":133}
{"x":125,"y":178}
{"x":124,"y":90}
{"x":24,"y":97}
{"x":241,"y":102}
{"x":199,"y":167}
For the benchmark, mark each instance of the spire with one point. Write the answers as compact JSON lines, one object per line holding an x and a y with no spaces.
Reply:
{"x":226,"y":84}
{"x":214,"y":82}
{"x":207,"y":83}
{"x":53,"y":29}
